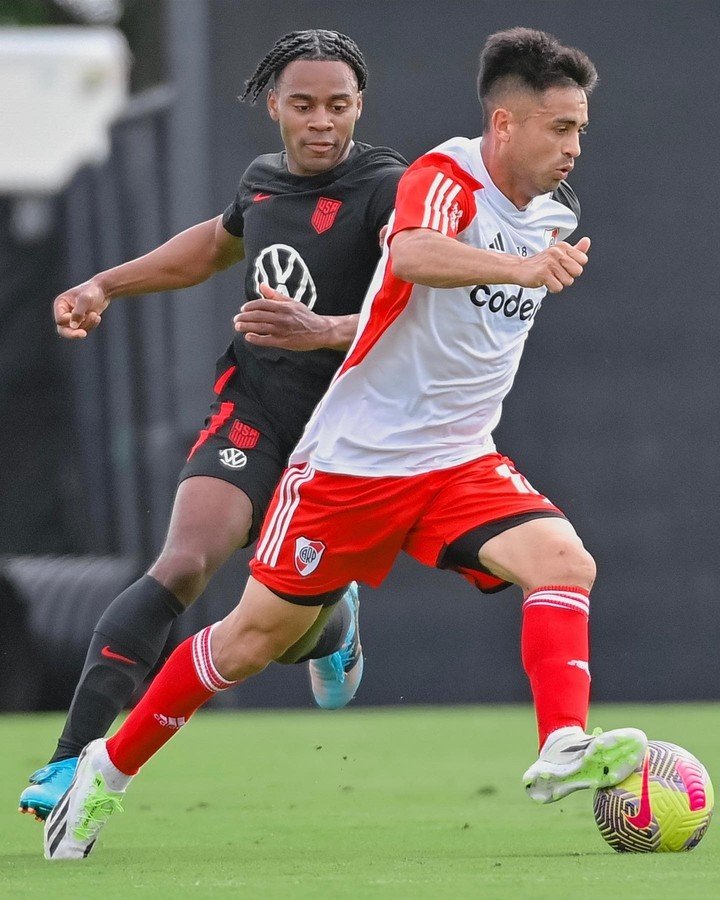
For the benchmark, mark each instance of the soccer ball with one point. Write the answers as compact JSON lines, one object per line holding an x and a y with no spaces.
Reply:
{"x":664,"y":806}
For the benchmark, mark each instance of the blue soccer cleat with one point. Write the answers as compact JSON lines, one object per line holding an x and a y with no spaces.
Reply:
{"x":335,"y":679}
{"x":47,"y":786}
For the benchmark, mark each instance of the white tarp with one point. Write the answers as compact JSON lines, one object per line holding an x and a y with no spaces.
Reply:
{"x":61,"y":90}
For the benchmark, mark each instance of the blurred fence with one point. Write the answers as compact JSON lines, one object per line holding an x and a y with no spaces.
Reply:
{"x":123,"y":377}
{"x":119,"y":388}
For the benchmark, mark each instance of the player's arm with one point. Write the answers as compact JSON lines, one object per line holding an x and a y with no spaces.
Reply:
{"x":435,"y":203}
{"x":277,"y":321}
{"x":185,"y":260}
{"x":424,"y":256}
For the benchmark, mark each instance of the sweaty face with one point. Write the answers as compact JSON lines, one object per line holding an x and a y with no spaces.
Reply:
{"x":543,"y":138}
{"x":316,"y":103}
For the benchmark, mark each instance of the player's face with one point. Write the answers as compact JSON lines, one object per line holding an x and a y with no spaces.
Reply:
{"x":316,"y":103}
{"x":544,"y":138}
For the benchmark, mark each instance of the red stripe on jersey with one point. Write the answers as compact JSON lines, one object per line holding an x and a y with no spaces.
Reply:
{"x":425,"y":198}
{"x":435,"y":193}
{"x":216,"y":423}
{"x":223,"y":379}
{"x":387,"y":304}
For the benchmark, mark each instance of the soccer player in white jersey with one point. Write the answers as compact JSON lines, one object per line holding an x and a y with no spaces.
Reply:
{"x":400,"y":455}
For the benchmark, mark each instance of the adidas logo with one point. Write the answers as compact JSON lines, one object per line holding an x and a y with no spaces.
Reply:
{"x":497,"y":243}
{"x":170,"y":721}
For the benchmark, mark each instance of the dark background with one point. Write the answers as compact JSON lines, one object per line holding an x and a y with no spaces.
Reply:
{"x":614,"y":414}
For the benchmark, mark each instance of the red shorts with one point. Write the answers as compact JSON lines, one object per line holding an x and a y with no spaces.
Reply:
{"x":324,"y":530}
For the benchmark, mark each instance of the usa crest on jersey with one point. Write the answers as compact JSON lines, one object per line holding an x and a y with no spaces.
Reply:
{"x":323,"y":218}
{"x":308,"y":555}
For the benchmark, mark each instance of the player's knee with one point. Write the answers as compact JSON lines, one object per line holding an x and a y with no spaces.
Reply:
{"x":567,"y":562}
{"x":183,"y":571}
{"x":249,"y":654}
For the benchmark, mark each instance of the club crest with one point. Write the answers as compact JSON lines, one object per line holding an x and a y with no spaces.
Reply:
{"x":308,"y":555}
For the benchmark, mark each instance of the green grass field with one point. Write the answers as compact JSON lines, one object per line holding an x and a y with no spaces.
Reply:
{"x":397,"y":803}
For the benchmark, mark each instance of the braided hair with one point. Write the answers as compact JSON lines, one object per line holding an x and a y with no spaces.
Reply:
{"x":315,"y":43}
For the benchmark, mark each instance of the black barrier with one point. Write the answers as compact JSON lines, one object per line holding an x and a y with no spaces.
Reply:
{"x":49,"y":606}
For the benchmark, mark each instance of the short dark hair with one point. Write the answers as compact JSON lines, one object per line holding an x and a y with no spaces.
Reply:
{"x":314,"y":43}
{"x":535,"y":60}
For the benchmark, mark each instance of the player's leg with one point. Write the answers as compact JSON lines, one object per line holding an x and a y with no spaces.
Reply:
{"x":261,"y":628}
{"x":333,"y":651}
{"x":218,"y":508}
{"x":305,"y":558}
{"x":211,"y":518}
{"x":490,"y":524}
{"x":547,"y":559}
{"x":254,"y":458}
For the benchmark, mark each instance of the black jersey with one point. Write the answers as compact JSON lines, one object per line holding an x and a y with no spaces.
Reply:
{"x":314,"y":238}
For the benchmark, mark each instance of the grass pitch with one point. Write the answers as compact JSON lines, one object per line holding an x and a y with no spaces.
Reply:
{"x":390,"y":803}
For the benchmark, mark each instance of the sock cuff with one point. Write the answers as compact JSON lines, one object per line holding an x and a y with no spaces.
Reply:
{"x":165,"y":595}
{"x":204,"y":665}
{"x":571,"y":598}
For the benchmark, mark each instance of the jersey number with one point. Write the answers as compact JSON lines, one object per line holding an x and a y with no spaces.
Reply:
{"x":520,"y":482}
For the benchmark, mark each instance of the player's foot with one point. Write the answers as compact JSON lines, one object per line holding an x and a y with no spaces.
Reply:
{"x":336,"y":678}
{"x":571,"y":760}
{"x":47,"y":786}
{"x":73,"y":826}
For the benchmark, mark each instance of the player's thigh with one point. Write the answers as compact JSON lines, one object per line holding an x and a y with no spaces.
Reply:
{"x":260,"y":628}
{"x":210,"y":518}
{"x":238,"y":447}
{"x":324,"y":530}
{"x":475,"y":503}
{"x":539,"y":552}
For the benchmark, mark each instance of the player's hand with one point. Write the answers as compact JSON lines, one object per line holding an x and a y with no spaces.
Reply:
{"x":79,"y":310}
{"x":278,"y":321}
{"x":555,"y":268}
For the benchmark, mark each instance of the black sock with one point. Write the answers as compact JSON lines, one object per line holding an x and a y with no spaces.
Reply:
{"x":126,"y":644}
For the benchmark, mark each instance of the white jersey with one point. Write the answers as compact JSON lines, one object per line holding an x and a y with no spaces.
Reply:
{"x":423,"y":383}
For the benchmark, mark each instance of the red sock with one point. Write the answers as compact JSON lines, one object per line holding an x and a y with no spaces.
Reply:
{"x":184,"y":683}
{"x":555,"y":655}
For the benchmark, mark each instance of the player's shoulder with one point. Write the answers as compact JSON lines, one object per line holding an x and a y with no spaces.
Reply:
{"x":457,"y":158}
{"x":370,"y":166}
{"x":565,"y":195}
{"x":263,"y":169}
{"x":365,"y":155}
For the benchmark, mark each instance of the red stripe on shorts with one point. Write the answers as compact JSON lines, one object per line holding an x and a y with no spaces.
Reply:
{"x":216,"y":423}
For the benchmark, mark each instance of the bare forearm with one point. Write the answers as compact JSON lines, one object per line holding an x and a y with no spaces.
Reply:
{"x":426,"y":257}
{"x":185,"y":260}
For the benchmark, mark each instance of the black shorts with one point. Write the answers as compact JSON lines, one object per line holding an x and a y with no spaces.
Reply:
{"x":239,"y":445}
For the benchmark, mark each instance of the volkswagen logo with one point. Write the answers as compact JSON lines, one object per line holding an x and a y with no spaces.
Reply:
{"x":285,"y":270}
{"x":232,"y":458}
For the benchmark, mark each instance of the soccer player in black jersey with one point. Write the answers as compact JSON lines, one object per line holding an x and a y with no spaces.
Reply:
{"x":308,"y":221}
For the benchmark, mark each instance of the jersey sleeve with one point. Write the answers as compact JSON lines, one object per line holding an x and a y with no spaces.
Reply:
{"x":382,"y":201}
{"x":566,"y":195}
{"x":233,"y":217}
{"x":435,"y":193}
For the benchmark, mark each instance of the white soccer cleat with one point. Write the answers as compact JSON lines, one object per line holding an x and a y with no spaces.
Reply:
{"x":335,"y":679}
{"x":571,"y":760}
{"x":73,"y":826}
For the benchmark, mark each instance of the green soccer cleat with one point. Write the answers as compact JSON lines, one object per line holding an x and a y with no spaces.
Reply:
{"x":73,"y":826}
{"x":335,"y":678}
{"x":571,"y":760}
